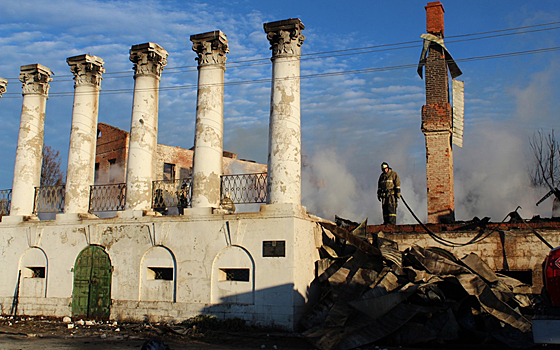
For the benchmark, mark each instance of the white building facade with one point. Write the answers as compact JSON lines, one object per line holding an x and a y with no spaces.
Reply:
{"x":140,"y":265}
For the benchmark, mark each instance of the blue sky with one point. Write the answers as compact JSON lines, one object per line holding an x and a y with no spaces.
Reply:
{"x":350,"y":122}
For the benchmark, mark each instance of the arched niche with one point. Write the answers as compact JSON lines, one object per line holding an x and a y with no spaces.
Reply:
{"x":158,"y":275}
{"x":233,"y":277}
{"x":34,"y":272}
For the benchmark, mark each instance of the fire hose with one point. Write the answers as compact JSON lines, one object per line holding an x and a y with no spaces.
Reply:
{"x":479,"y":237}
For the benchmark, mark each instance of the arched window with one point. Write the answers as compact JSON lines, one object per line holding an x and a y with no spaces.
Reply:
{"x":233,"y":277}
{"x":158,"y":278}
{"x":33,"y":281}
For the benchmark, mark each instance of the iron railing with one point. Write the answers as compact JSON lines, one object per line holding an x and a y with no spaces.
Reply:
{"x":5,"y":201}
{"x":49,"y":199}
{"x":167,"y":194}
{"x":109,"y":197}
{"x":245,"y":188}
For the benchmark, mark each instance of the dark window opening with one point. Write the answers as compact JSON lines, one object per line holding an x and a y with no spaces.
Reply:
{"x":525,"y":276}
{"x":112,"y":170}
{"x":96,"y":175}
{"x":160,"y":273}
{"x":168,"y":171}
{"x":240,"y":275}
{"x":37,"y":271}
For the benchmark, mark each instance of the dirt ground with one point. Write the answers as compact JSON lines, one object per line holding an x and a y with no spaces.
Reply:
{"x":28,"y":333}
{"x":40,"y":333}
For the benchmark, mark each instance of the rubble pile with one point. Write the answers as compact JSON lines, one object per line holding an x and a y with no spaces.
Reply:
{"x":374,"y":293}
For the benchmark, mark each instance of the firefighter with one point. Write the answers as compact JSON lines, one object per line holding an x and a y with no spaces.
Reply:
{"x":388,"y":193}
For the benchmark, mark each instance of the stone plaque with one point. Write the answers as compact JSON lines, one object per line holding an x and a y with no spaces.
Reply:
{"x":274,"y":249}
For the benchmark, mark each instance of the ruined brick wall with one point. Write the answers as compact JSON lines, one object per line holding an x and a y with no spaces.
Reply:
{"x":111,"y":154}
{"x":181,"y":158}
{"x":437,"y":125}
{"x":183,"y":161}
{"x":517,"y":250}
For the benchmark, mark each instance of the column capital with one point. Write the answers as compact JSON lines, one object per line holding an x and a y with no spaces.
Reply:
{"x":148,"y":59}
{"x":35,"y":79}
{"x":211,"y":48}
{"x":3,"y":84}
{"x":87,"y":69}
{"x":285,"y":37}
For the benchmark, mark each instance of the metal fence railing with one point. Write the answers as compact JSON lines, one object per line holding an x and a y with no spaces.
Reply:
{"x":49,"y":199}
{"x":245,"y":188}
{"x":109,"y":197}
{"x":5,"y":202}
{"x":167,"y":194}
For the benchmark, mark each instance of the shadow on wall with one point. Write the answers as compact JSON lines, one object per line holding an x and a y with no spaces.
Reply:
{"x":280,"y":306}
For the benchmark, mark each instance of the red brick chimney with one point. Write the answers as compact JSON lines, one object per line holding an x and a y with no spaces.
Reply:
{"x":434,"y":18}
{"x":437,"y":125}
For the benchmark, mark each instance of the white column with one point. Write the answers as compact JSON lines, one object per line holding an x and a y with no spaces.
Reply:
{"x":284,"y":138}
{"x":3,"y":84}
{"x":83,"y":136}
{"x":149,"y":60}
{"x":35,"y":80}
{"x":211,"y":49}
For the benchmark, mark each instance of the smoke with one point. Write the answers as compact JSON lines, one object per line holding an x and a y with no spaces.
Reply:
{"x":491,"y":178}
{"x":329,"y":188}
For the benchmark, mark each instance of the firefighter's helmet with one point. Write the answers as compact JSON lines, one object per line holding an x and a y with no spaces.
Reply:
{"x":384,"y":166}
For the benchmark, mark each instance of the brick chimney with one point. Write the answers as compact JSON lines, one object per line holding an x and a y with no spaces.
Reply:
{"x":434,"y":18}
{"x":437,"y":125}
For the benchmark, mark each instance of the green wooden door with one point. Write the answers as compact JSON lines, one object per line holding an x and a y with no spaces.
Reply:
{"x":91,"y":297}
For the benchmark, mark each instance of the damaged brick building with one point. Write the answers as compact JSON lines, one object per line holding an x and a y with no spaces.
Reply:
{"x":172,"y":163}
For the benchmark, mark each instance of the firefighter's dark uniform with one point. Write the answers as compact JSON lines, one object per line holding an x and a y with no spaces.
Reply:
{"x":388,"y":192}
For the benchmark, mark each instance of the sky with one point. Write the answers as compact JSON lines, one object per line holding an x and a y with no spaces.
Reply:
{"x":366,"y":112}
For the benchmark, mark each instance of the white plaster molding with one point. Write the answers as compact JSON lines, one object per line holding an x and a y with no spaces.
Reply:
{"x":3,"y":84}
{"x":35,"y":79}
{"x":148,"y":59}
{"x":211,"y":48}
{"x":285,"y":37}
{"x":87,"y":70}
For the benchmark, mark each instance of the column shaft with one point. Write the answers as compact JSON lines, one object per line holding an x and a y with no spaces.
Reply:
{"x":284,"y":143}
{"x":208,"y":143}
{"x":149,"y":60}
{"x":81,"y":153}
{"x":35,"y":80}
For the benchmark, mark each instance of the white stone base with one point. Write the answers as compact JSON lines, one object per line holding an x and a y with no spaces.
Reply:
{"x":283,"y":209}
{"x":130,"y":214}
{"x":16,"y":219}
{"x":195,"y":212}
{"x":69,"y":217}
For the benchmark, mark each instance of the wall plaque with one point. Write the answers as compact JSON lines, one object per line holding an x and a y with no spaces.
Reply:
{"x":274,"y":249}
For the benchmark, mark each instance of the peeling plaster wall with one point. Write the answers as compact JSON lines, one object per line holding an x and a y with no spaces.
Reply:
{"x":279,"y":285}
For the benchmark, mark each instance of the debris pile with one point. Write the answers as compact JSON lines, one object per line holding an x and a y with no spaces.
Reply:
{"x":374,"y":293}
